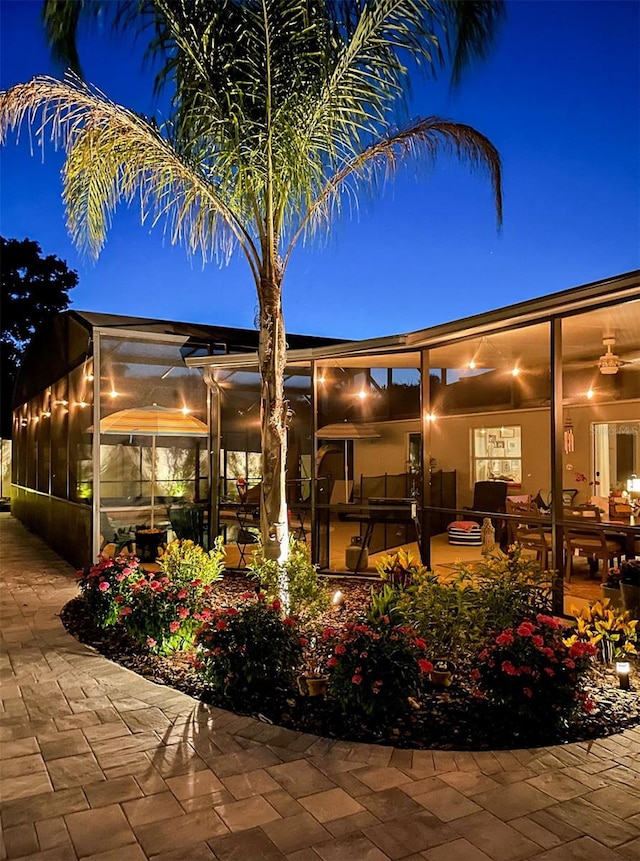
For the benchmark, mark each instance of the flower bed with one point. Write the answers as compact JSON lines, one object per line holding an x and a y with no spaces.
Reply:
{"x":247,"y":656}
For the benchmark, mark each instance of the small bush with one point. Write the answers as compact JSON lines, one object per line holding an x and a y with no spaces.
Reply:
{"x":531,"y":677}
{"x":374,"y":670}
{"x":100,"y":585}
{"x":184,"y":561}
{"x":296,"y":583}
{"x":160,"y":610}
{"x":250,"y":654}
{"x":491,"y":595}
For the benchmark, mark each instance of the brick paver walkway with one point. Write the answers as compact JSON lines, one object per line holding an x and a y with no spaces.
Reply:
{"x":98,"y":763}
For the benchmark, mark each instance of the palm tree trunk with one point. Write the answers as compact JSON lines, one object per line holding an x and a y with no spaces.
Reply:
{"x":273,"y":418}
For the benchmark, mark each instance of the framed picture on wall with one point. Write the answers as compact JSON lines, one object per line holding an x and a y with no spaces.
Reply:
{"x":507,"y":433}
{"x":512,"y":447}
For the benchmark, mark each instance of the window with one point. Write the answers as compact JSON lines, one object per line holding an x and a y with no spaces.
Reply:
{"x":497,"y":454}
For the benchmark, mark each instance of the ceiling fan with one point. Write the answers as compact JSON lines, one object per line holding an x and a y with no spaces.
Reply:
{"x":609,"y":362}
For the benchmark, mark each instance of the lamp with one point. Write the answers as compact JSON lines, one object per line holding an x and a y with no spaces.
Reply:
{"x":633,"y":483}
{"x":622,"y":671}
{"x":338,"y":601}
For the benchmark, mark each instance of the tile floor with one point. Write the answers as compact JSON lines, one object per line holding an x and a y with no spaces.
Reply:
{"x":99,"y":764}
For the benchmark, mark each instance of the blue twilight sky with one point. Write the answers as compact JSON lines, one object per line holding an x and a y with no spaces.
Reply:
{"x":559,"y":97}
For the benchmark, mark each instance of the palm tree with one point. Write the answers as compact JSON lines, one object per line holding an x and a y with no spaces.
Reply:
{"x":282,"y":110}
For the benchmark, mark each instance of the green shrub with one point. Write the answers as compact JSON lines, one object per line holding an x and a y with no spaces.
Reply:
{"x":531,"y":677}
{"x":184,"y":561}
{"x":250,"y":654}
{"x":375,"y":670}
{"x":491,"y":595}
{"x":296,"y":583}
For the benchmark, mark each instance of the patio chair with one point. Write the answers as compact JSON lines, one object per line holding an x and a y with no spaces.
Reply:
{"x":592,"y":544}
{"x":490,"y":496}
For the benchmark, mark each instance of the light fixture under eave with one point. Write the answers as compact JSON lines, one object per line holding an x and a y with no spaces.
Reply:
{"x":515,"y":372}
{"x":590,"y":394}
{"x":609,"y":363}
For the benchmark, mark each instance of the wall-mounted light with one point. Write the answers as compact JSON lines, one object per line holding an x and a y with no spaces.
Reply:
{"x":185,"y":411}
{"x":113,"y":393}
{"x":431,"y":417}
{"x":471,"y":365}
{"x":82,"y":404}
{"x":46,"y":414}
{"x":590,"y":393}
{"x":362,"y":394}
{"x":515,"y":372}
{"x":322,"y":379}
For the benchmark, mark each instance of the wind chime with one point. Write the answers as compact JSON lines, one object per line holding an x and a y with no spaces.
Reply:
{"x":569,"y":442}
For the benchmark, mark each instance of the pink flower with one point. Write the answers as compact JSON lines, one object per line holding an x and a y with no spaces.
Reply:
{"x":174,"y":626}
{"x":356,"y":679}
{"x":206,"y":614}
{"x":151,"y":642}
{"x":183,"y":612}
{"x":104,"y":586}
{"x":182,"y":594}
{"x":125,"y":611}
{"x":424,"y":665}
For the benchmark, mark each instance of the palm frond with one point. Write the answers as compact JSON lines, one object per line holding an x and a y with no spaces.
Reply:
{"x":113,"y":155}
{"x":424,"y":139}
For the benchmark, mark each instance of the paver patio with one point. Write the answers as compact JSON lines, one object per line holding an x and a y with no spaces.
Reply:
{"x":98,"y":763}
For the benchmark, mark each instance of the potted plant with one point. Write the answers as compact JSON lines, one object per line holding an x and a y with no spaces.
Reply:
{"x":442,"y":673}
{"x":630,"y":587}
{"x":611,"y":588}
{"x":312,"y":681}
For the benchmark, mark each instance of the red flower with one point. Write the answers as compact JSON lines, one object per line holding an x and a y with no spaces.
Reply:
{"x":231,"y":611}
{"x":303,"y":641}
{"x":340,"y":649}
{"x":508,"y":668}
{"x":221,"y":624}
{"x":419,"y":643}
{"x":537,"y":641}
{"x":174,"y":626}
{"x":183,"y":612}
{"x":328,"y":633}
{"x":119,"y":599}
{"x":332,"y":662}
{"x":182,"y":594}
{"x":526,"y":629}
{"x":424,"y":665}
{"x":474,"y":675}
{"x":356,"y":679}
{"x":527,"y":692}
{"x":588,"y":705}
{"x":104,"y":586}
{"x":549,"y":621}
{"x":504,"y":639}
{"x":289,"y":622}
{"x":276,"y":604}
{"x":125,"y":611}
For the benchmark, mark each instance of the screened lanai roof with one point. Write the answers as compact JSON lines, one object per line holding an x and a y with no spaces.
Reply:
{"x":66,"y":341}
{"x":581,"y":341}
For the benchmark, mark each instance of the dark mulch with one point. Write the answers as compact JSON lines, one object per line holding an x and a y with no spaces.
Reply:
{"x":447,"y":718}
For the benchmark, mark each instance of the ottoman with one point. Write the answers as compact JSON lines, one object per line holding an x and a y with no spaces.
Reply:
{"x":465,"y":533}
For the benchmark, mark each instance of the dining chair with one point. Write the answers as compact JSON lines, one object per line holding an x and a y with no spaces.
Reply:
{"x":529,"y":534}
{"x":592,"y":544}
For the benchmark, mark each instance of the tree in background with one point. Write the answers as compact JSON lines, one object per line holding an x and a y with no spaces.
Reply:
{"x":282,"y":112}
{"x":34,"y":288}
